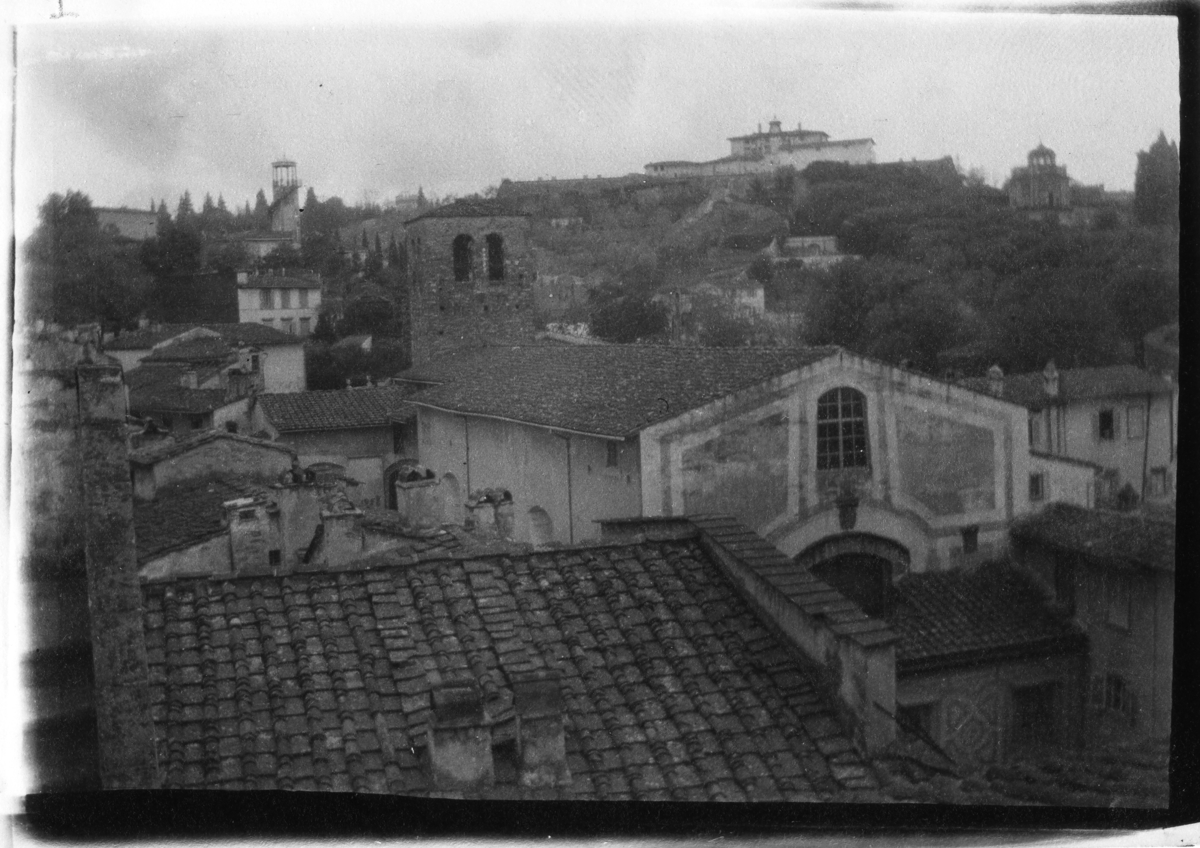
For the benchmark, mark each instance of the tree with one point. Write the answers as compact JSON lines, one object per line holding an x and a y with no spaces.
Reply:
{"x":262,"y":212}
{"x":1156,"y":184}
{"x":422,"y":203}
{"x":620,"y":317}
{"x":78,"y":273}
{"x":185,"y":213}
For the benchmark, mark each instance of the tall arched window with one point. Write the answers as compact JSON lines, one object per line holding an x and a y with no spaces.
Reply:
{"x":463,"y":245}
{"x":842,"y":430}
{"x":495,"y":257}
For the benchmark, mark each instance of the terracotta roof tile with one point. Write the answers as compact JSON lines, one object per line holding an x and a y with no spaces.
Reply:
{"x":1076,"y":384}
{"x":993,"y":611}
{"x":336,"y":409}
{"x":691,"y":719}
{"x":167,"y":448}
{"x":184,"y":514}
{"x":1126,"y":539}
{"x":158,"y":388}
{"x":237,"y":335}
{"x":606,"y":390}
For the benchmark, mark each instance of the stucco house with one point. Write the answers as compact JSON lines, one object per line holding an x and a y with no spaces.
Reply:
{"x":1113,"y":574}
{"x":800,"y":444}
{"x":1122,"y":419}
{"x":289,"y":303}
{"x":366,"y":431}
{"x":277,"y":356}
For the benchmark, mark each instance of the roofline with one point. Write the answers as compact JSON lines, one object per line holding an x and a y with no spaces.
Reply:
{"x":491,"y":417}
{"x":387,"y":423}
{"x":1067,"y":459}
{"x":1029,"y":534}
{"x":1073,"y":644}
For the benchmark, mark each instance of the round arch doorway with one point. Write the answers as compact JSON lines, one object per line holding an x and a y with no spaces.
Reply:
{"x":861,"y":566}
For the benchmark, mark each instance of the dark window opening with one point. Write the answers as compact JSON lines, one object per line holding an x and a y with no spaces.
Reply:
{"x":970,"y":539}
{"x":197,"y":422}
{"x":842,"y":430}
{"x":274,"y":557}
{"x":1037,"y":487}
{"x":862,"y":578}
{"x":917,"y":718}
{"x":1107,"y":426}
{"x":462,"y":249}
{"x":246,"y":514}
{"x":231,"y":427}
{"x":495,"y":257}
{"x":1035,"y":719}
{"x":614,"y":454}
{"x":1119,"y":697}
{"x":254,"y":363}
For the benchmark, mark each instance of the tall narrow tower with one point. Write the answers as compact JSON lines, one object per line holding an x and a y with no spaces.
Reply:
{"x":283,"y":178}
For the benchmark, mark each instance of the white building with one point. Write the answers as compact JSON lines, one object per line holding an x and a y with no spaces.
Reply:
{"x":286,"y":303}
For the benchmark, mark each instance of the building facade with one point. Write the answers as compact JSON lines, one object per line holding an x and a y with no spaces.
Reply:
{"x":763,"y":152}
{"x":289,"y":304}
{"x":1113,"y":574}
{"x":802,"y":446}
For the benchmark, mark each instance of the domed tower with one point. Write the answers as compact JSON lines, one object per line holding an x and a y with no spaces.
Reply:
{"x":1040,"y":186}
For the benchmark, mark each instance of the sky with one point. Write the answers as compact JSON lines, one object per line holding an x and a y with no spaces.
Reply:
{"x":134,"y":109}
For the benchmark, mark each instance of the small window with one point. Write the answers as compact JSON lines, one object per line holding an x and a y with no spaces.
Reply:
{"x":168,"y":422}
{"x":1107,"y":424}
{"x":917,"y":718}
{"x":303,"y":298}
{"x":266,"y":299}
{"x":614,"y":455}
{"x":1037,"y":487}
{"x":1158,"y":482}
{"x":1035,"y":432}
{"x":1034,"y":714}
{"x":1118,"y":696}
{"x":1116,"y":598}
{"x":231,"y":427}
{"x":255,"y":364}
{"x":197,"y":422}
{"x":305,"y":326}
{"x":274,"y":557}
{"x":270,"y":322}
{"x":246,"y":515}
{"x":288,"y":326}
{"x":970,"y":539}
{"x":1135,"y":422}
{"x":285,"y":298}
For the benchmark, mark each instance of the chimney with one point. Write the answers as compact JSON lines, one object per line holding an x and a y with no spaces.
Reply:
{"x":253,"y":543}
{"x":417,"y":496}
{"x":343,"y":536}
{"x":122,"y":679}
{"x":481,"y":513}
{"x":541,"y":744}
{"x":996,"y":381}
{"x":460,"y":739}
{"x":1050,"y":379}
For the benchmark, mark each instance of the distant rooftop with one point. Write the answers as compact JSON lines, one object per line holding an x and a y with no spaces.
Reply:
{"x":336,"y":409}
{"x":1121,"y":539}
{"x":158,"y":388}
{"x":166,"y":448}
{"x":484,"y":208}
{"x":1076,"y":384}
{"x":245,"y":334}
{"x":184,"y":514}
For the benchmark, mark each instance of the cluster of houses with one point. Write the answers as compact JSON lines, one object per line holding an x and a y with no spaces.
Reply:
{"x":532,"y":568}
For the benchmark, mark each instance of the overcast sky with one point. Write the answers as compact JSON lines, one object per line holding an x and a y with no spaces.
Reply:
{"x":133,"y":110}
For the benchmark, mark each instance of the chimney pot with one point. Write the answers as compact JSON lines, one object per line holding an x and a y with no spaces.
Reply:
{"x":541,"y":744}
{"x":996,"y":381}
{"x":460,"y":739}
{"x":1050,"y":379}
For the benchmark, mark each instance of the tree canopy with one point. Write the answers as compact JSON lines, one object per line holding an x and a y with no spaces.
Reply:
{"x":1156,"y":184}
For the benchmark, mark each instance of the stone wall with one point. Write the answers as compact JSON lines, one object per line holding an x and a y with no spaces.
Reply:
{"x":447,"y":313}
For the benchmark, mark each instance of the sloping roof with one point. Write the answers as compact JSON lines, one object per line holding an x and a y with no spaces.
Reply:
{"x":604,"y":390}
{"x":185,"y":514}
{"x":165,"y":449}
{"x":156,"y":388}
{"x":1076,"y":384}
{"x":967,"y":616}
{"x":334,"y":409}
{"x":279,"y":281}
{"x":237,"y":335}
{"x":210,"y":349}
{"x":672,"y":687}
{"x":1102,"y":535}
{"x":484,"y":208}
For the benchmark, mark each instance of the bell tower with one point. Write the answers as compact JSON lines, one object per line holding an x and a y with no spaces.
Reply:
{"x":283,"y":178}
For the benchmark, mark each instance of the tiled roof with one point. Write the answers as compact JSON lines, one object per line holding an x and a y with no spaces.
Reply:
{"x":1103,"y":535}
{"x":1076,"y":384}
{"x":209,"y":349}
{"x":963,"y":616}
{"x":672,"y":687}
{"x":167,"y":448}
{"x":237,"y":335}
{"x":486,"y":208}
{"x":605,"y":390}
{"x":275,"y":281}
{"x":185,"y":514}
{"x":156,"y":388}
{"x":335,"y":409}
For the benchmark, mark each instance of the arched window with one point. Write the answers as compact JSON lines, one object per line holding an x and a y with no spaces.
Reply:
{"x":462,"y":248}
{"x":495,"y":257}
{"x":842,"y":430}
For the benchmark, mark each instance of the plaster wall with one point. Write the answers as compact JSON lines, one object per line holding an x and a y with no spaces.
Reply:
{"x":532,"y":464}
{"x":941,"y":459}
{"x":210,"y":557}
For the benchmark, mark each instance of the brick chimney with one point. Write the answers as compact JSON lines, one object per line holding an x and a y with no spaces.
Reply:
{"x":1050,"y":379}
{"x":417,"y":497}
{"x":253,"y":540}
{"x":122,"y":682}
{"x":460,"y":739}
{"x":995,"y":381}
{"x":541,"y":745}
